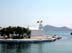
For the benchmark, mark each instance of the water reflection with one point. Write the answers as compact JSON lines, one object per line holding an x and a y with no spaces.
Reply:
{"x":14,"y":48}
{"x":37,"y":48}
{"x":22,"y":48}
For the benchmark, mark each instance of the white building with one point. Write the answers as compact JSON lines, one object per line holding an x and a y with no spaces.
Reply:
{"x":39,"y":31}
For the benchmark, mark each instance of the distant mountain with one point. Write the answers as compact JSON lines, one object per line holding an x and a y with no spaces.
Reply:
{"x":53,"y":28}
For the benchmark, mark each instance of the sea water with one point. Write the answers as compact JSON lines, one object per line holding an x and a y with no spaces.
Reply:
{"x":63,"y":45}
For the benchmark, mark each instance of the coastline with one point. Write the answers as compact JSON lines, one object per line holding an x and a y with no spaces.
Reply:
{"x":33,"y":39}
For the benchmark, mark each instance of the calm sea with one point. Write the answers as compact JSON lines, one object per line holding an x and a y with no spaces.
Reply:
{"x":63,"y":45}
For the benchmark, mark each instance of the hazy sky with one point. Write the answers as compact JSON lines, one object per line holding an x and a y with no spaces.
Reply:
{"x":27,"y":12}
